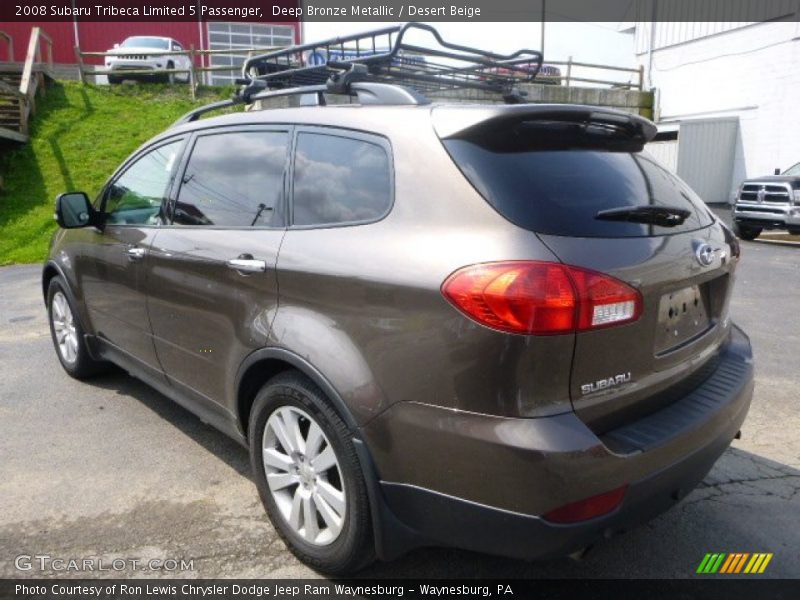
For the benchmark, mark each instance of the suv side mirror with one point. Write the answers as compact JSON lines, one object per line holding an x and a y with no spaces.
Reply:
{"x":116,"y":45}
{"x":777,"y":171}
{"x":73,"y":210}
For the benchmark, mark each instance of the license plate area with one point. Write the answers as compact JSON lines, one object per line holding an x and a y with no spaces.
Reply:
{"x":682,"y":316}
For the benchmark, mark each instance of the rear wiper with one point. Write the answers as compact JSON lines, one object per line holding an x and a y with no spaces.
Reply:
{"x":663,"y":216}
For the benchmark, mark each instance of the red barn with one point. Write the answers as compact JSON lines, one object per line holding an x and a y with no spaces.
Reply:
{"x":203,"y":35}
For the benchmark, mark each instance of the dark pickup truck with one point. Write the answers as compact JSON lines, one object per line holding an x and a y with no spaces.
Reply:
{"x":771,"y":202}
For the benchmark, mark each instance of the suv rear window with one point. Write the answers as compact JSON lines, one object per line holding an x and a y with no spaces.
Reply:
{"x":560,"y":191}
{"x":339,"y":180}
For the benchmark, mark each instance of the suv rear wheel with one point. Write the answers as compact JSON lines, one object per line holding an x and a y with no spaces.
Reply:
{"x":746,"y":233}
{"x":309,"y":477}
{"x":67,"y":333}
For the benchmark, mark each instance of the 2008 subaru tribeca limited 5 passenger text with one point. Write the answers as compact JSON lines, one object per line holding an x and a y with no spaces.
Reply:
{"x":500,"y":328}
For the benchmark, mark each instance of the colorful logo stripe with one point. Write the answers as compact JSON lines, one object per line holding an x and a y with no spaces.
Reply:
{"x":735,"y":562}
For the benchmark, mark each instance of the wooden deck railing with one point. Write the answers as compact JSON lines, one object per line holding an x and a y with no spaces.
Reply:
{"x":572,"y":72}
{"x":19,"y":103}
{"x":33,"y":74}
{"x":569,"y":77}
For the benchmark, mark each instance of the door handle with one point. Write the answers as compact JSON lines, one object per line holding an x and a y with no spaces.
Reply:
{"x":135,"y":253}
{"x":247,"y":265}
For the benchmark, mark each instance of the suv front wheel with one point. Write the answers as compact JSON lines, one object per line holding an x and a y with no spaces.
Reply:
{"x":309,"y":477}
{"x":746,"y":233}
{"x":67,"y":333}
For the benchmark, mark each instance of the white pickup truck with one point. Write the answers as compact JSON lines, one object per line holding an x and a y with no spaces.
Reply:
{"x":141,"y":53}
{"x":770,"y":202}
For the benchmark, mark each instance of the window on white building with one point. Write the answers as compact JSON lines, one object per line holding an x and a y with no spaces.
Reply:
{"x":239,"y":38}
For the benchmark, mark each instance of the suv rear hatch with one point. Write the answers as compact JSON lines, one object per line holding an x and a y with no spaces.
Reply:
{"x":578,"y":178}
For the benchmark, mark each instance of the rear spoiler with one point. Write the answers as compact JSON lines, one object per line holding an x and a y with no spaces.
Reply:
{"x":630,"y":131}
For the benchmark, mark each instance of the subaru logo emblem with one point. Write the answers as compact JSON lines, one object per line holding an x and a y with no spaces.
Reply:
{"x":704,"y":254}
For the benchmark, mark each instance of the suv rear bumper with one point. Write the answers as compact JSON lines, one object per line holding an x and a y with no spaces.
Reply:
{"x":480,"y":482}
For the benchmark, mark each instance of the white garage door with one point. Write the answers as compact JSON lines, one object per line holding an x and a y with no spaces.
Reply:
{"x":706,"y":150}
{"x":238,"y":37}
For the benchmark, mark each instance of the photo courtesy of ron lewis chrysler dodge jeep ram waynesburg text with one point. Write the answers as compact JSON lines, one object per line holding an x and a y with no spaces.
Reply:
{"x":503,"y":328}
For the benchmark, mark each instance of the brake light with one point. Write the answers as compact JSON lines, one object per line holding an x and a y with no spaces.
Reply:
{"x":541,"y":298}
{"x":588,"y":508}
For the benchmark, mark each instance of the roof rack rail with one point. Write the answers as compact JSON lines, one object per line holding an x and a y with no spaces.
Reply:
{"x":387,"y":57}
{"x":380,"y":67}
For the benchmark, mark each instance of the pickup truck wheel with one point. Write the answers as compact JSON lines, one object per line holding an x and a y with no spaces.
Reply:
{"x":746,"y":233}
{"x":794,"y":230}
{"x":309,"y":477}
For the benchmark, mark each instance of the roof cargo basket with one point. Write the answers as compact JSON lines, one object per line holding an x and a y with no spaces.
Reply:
{"x":387,"y":57}
{"x":381,"y":67}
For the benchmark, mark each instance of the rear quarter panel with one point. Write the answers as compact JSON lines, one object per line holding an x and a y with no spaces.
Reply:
{"x":363,"y":303}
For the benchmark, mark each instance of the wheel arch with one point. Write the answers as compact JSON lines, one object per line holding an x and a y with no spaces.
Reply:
{"x":262,"y":365}
{"x":49,"y":271}
{"x":392,"y":537}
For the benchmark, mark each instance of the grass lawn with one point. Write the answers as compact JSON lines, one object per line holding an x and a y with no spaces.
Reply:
{"x":79,"y":135}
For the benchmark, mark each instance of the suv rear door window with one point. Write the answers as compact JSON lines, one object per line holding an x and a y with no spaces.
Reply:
{"x":234,"y":179}
{"x":339,"y":180}
{"x":560,"y":191}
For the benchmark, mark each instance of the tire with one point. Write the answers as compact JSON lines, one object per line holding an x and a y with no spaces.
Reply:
{"x":113,"y":79}
{"x":746,"y":233}
{"x":337,"y":543}
{"x":794,"y":230}
{"x":68,"y":334}
{"x":170,"y":77}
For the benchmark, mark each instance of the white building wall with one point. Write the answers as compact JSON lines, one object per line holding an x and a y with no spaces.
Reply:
{"x":666,"y":153}
{"x":751,"y":71}
{"x":681,"y":21}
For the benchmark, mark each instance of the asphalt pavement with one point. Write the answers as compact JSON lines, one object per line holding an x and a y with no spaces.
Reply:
{"x":112,"y":469}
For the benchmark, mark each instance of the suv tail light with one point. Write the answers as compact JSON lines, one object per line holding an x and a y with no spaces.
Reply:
{"x":541,"y":298}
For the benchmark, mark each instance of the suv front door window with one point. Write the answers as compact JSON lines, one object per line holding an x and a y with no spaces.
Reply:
{"x":136,"y":197}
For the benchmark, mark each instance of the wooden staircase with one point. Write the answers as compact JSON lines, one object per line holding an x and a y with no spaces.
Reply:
{"x":21,"y":82}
